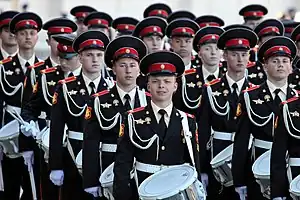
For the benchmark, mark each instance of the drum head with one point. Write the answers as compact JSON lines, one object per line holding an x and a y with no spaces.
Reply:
{"x":46,"y":138}
{"x":168,"y":182}
{"x":107,"y":177}
{"x":225,"y":155}
{"x":261,"y":167}
{"x":9,"y":130}
{"x":78,"y":159}
{"x":295,"y":186}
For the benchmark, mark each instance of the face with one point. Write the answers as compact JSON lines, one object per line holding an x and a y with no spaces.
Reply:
{"x":69,"y":64}
{"x":209,"y":54}
{"x":7,"y":37}
{"x":126,"y":70}
{"x":27,"y":38}
{"x":153,"y":42}
{"x":252,"y":23}
{"x":92,"y":60}
{"x":162,"y":88}
{"x":53,"y":45}
{"x":278,"y":67}
{"x":103,"y":30}
{"x":236,"y":60}
{"x":183,"y":46}
{"x":298,"y":48}
{"x":81,"y":27}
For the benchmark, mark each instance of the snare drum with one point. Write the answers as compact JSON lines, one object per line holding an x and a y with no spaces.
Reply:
{"x":9,"y":135}
{"x":173,"y":183}
{"x":221,"y":165}
{"x":261,"y":171}
{"x":295,"y":188}
{"x":106,"y":180}
{"x":78,"y":161}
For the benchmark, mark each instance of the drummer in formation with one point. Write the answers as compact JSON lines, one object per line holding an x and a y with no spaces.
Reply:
{"x":121,"y":104}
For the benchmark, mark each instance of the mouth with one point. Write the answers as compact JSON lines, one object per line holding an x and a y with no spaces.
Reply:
{"x":128,"y":77}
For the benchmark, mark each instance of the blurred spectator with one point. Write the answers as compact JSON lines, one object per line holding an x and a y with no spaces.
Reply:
{"x":292,"y":13}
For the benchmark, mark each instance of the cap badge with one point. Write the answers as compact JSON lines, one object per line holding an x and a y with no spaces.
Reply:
{"x":126,"y":27}
{"x":280,"y":49}
{"x":240,"y":42}
{"x":65,"y":48}
{"x":162,"y":66}
{"x":27,"y":22}
{"x":127,"y":51}
{"x":99,"y":21}
{"x":254,"y":13}
{"x":213,"y":37}
{"x":94,"y":42}
{"x":154,"y":29}
{"x":159,"y":12}
{"x":184,"y":30}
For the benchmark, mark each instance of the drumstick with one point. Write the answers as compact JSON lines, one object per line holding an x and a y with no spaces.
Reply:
{"x":1,"y":178}
{"x":30,"y":170}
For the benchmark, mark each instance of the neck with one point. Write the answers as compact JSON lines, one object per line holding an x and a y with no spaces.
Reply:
{"x":236,"y":76}
{"x":10,"y":49}
{"x":54,"y":57}
{"x":211,"y":69}
{"x":74,"y":68}
{"x":186,"y":60}
{"x":91,"y":76}
{"x":26,"y":53}
{"x":126,"y":88}
{"x":278,"y":84}
{"x":162,"y":104}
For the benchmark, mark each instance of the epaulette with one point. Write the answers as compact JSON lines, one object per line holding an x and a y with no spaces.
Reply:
{"x":136,"y":110}
{"x":190,"y":71}
{"x":254,"y":87}
{"x":190,"y":115}
{"x":67,"y":80}
{"x":213,"y":82}
{"x":289,"y":100}
{"x":38,"y":64}
{"x":193,"y":57}
{"x":251,"y":64}
{"x":98,"y":94}
{"x":6,"y":60}
{"x":148,"y":94}
{"x":48,"y":70}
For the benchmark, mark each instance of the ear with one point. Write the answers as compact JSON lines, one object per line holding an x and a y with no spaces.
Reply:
{"x":225,"y":55}
{"x":199,"y":53}
{"x":175,"y":85}
{"x":114,"y":69}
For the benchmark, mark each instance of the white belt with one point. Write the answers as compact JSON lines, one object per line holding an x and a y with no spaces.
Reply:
{"x":112,"y":148}
{"x":48,"y":122}
{"x":223,"y":136}
{"x":262,"y":144}
{"x":151,"y":169}
{"x":75,"y":135}
{"x":13,"y":109}
{"x":294,"y":162}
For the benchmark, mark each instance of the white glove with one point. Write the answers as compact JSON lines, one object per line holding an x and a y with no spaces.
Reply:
{"x":242,"y":191}
{"x":95,"y":191}
{"x":28,"y":159}
{"x":204,"y":180}
{"x":29,"y":129}
{"x":279,"y":198}
{"x":57,"y":177}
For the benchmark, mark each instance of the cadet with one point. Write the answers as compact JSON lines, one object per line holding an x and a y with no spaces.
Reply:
{"x":296,"y":38}
{"x":157,"y":133}
{"x":158,"y":9}
{"x":69,"y":104}
{"x":98,"y":21}
{"x":253,"y":14}
{"x":217,"y":121}
{"x":103,"y":123}
{"x":257,"y":111}
{"x":80,"y":13}
{"x":124,"y":25}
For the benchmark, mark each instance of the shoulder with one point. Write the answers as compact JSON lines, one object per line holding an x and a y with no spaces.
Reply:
{"x":6,"y":60}
{"x":37,"y":65}
{"x":48,"y":70}
{"x":136,"y":110}
{"x":67,"y":80}
{"x":252,"y":89}
{"x":101,"y":93}
{"x":290,"y":101}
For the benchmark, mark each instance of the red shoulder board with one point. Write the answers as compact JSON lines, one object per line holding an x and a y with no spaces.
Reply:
{"x":67,"y":80}
{"x":213,"y":82}
{"x":148,"y":94}
{"x":189,"y":71}
{"x":190,"y":115}
{"x":38,"y":64}
{"x":101,"y":93}
{"x":6,"y":60}
{"x":48,"y":70}
{"x":136,"y":110}
{"x":253,"y":87}
{"x":289,"y":100}
{"x":193,"y":57}
{"x":251,"y":64}
{"x":220,"y":64}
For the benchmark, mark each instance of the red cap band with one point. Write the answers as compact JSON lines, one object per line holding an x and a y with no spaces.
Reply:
{"x":274,"y":49}
{"x":124,"y":27}
{"x":25,"y":23}
{"x":81,"y":14}
{"x":91,"y":42}
{"x":126,"y":50}
{"x":59,"y":29}
{"x":208,"y":37}
{"x":157,"y":67}
{"x":269,"y":29}
{"x":65,"y":49}
{"x":237,"y":42}
{"x":289,"y":29}
{"x":183,"y":30}
{"x":98,"y":22}
{"x":253,"y":14}
{"x":204,"y":24}
{"x":150,"y":29}
{"x":5,"y":22}
{"x":158,"y":12}
{"x":298,"y":37}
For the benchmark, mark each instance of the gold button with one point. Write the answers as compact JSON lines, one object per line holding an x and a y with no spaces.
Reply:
{"x":163,"y":148}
